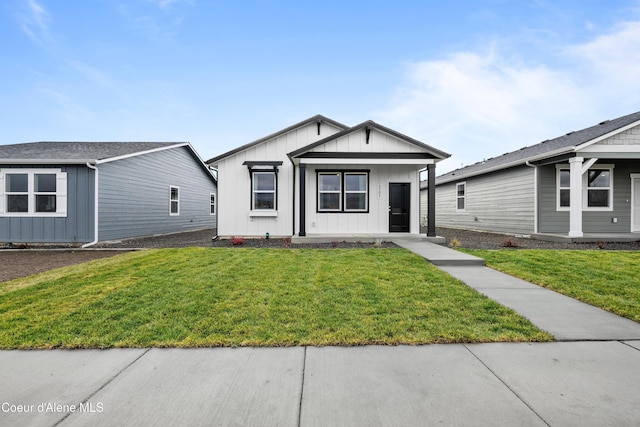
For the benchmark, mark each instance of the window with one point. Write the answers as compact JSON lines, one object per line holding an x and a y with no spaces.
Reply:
{"x":346,"y":191}
{"x":597,"y":187}
{"x":212,"y":200}
{"x":461,"y":195}
{"x":355,"y":192}
{"x":264,"y":191}
{"x":564,"y":193}
{"x":174,"y":200}
{"x":329,"y":191}
{"x":33,"y":192}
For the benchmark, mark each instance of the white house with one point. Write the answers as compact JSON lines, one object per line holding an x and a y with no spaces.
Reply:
{"x":322,"y":178}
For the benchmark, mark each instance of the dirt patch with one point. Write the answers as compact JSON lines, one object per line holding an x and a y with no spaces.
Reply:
{"x":21,"y":263}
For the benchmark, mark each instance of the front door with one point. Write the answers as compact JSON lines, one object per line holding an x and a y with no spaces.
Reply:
{"x":399,"y":204}
{"x":635,"y":214}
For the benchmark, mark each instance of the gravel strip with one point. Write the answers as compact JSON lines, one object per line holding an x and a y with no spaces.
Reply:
{"x":480,"y":240}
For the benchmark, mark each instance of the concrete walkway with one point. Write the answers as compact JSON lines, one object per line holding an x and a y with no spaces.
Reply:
{"x":565,"y":318}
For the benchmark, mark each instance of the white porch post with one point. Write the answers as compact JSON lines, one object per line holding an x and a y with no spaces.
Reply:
{"x":575,"y":200}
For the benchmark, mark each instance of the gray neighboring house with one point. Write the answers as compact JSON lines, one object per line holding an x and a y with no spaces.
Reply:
{"x":581,"y":186}
{"x":85,"y":192}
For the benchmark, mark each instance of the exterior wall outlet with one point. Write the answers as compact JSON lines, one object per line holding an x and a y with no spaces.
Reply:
{"x":614,"y":220}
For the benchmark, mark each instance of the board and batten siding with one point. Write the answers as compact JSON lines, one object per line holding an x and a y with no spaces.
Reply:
{"x":234,"y":184}
{"x":554,"y":221}
{"x":501,"y":201}
{"x":375,"y":221}
{"x":75,"y":227}
{"x":135,"y":191}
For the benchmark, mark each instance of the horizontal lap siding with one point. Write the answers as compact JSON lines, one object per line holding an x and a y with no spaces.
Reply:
{"x":134,"y":195}
{"x":76,"y":227}
{"x":501,"y":201}
{"x":553,"y":221}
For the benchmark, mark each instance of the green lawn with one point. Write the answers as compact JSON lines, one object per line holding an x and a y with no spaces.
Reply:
{"x":251,"y":297}
{"x":607,"y":279}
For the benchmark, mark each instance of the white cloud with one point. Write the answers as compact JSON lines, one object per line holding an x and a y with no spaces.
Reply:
{"x":34,"y":22}
{"x":477,"y":105}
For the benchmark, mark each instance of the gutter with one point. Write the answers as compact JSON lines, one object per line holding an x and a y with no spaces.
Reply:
{"x":95,"y":207}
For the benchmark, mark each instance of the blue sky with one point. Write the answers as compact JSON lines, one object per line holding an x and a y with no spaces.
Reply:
{"x":473,"y":78}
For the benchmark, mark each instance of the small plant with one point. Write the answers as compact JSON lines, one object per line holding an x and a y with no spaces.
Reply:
{"x":601,"y":245}
{"x":287,"y":242}
{"x":454,"y":243}
{"x":237,"y":241}
{"x":334,"y":243}
{"x":509,"y":242}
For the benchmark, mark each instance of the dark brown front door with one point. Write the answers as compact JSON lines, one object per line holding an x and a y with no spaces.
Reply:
{"x":399,"y":203}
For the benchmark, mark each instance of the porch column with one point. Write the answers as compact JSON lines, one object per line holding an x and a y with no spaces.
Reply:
{"x":431,"y":200}
{"x":303,"y":200}
{"x":575,"y":197}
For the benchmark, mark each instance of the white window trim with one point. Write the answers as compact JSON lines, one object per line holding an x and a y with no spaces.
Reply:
{"x":61,"y":192}
{"x":212,"y":203}
{"x":338,"y":191}
{"x":254,"y":191}
{"x":365,"y":192}
{"x":558,"y":188}
{"x":171,"y":200}
{"x":585,"y":189}
{"x":463,"y":197}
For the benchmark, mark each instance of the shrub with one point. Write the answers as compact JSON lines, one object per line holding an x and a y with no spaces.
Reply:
{"x":287,"y":242}
{"x":455,"y":243}
{"x":509,"y":242}
{"x":237,"y":241}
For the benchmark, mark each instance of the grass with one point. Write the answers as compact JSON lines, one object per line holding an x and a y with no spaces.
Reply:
{"x":609,"y":280}
{"x":251,"y":297}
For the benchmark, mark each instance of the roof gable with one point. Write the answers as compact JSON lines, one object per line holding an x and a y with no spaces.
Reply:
{"x":367,"y":130}
{"x":568,"y":143}
{"x":318,"y":118}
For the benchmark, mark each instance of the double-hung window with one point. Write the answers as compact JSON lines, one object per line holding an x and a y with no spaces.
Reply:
{"x":264,"y":190}
{"x":212,"y":203}
{"x":597,"y":188}
{"x":461,"y":196}
{"x":343,"y":191}
{"x":174,"y":200}
{"x":329,"y":192}
{"x":33,"y":192}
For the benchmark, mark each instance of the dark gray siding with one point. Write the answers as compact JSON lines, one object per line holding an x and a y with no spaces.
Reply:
{"x":76,"y":227}
{"x":502,"y":201}
{"x":553,"y":221}
{"x":134,"y":195}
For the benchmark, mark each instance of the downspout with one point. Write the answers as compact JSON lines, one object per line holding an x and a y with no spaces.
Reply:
{"x":535,"y":195}
{"x":95,"y":207}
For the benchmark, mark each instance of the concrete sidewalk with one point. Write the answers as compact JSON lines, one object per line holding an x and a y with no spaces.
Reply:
{"x":523,"y":384}
{"x":565,"y":318}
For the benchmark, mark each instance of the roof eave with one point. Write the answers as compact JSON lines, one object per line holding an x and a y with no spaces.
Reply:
{"x":47,"y":161}
{"x":565,"y":150}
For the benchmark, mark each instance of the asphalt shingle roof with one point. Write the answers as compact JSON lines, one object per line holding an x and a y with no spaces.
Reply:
{"x":538,"y":151}
{"x":80,"y":151}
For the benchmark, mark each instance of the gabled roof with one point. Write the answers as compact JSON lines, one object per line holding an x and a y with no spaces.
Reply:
{"x":315,"y":119}
{"x":550,"y":148}
{"x":75,"y":152}
{"x":373,"y":125}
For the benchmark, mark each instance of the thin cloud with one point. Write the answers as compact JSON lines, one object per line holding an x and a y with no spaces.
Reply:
{"x":477,"y":105}
{"x":34,"y":22}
